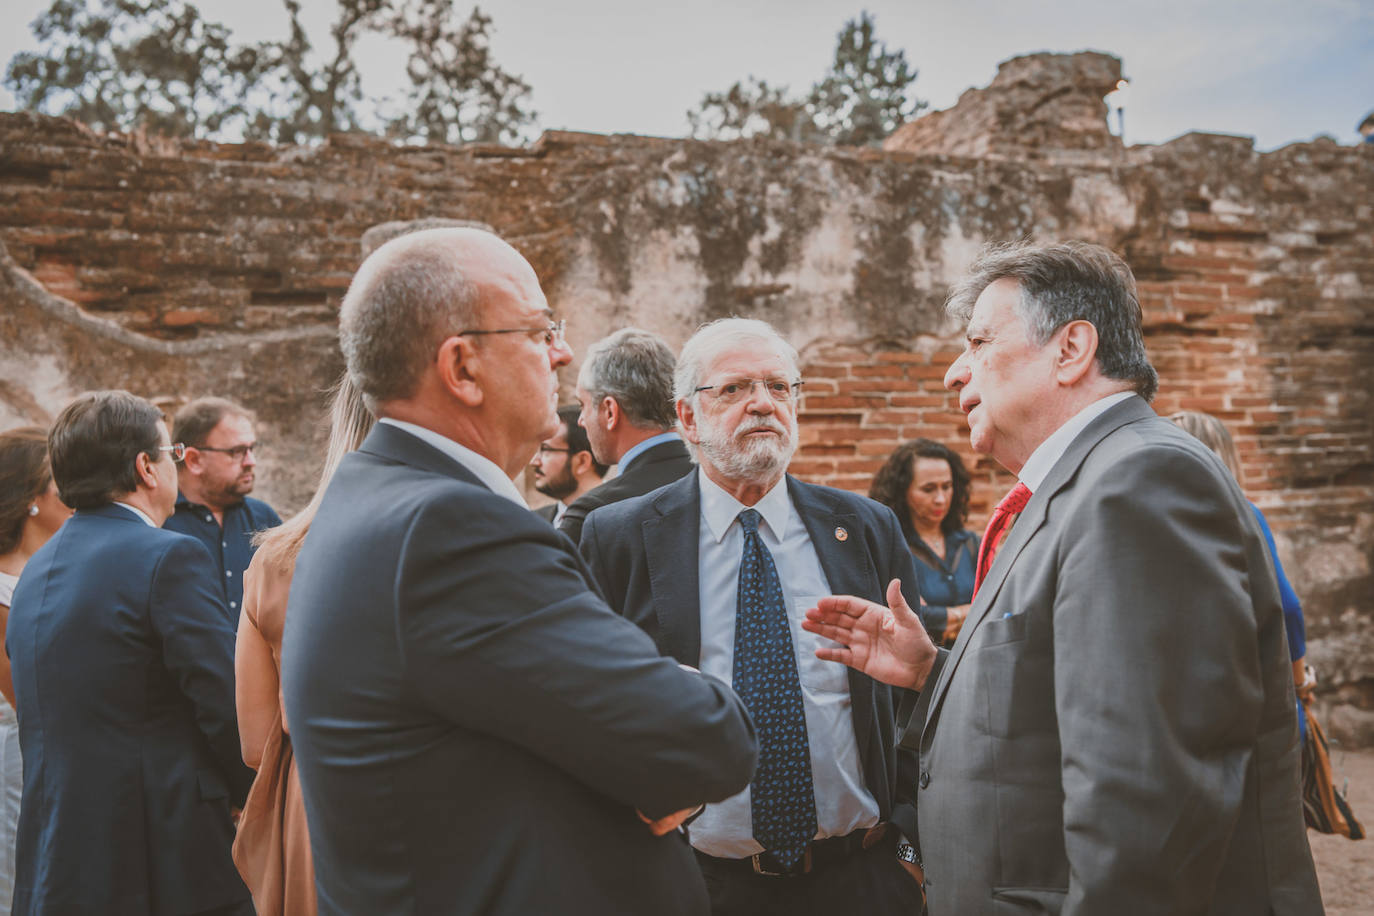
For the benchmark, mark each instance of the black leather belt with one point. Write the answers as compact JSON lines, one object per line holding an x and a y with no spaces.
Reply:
{"x":820,"y":854}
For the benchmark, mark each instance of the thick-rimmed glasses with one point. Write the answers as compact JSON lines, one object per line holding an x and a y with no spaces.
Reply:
{"x":237,"y":453}
{"x":546,"y":449}
{"x":553,"y":332}
{"x":734,"y":390}
{"x":178,"y":450}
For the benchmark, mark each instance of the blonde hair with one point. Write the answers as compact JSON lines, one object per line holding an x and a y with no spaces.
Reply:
{"x":1212,"y":433}
{"x":349,"y":423}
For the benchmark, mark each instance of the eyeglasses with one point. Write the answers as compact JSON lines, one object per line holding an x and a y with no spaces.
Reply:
{"x":736,"y":390}
{"x":178,"y":450}
{"x":553,"y":332}
{"x":237,"y":453}
{"x":545,"y":449}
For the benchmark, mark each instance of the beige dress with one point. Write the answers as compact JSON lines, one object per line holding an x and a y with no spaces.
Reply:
{"x":272,"y":848}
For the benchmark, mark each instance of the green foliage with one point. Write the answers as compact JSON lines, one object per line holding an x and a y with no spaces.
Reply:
{"x":457,"y":92}
{"x":157,"y":65}
{"x":864,"y":97}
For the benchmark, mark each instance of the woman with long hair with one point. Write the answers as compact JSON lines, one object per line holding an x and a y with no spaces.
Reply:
{"x":927,"y":486}
{"x":272,"y":849}
{"x":1212,"y":433}
{"x":30,"y":512}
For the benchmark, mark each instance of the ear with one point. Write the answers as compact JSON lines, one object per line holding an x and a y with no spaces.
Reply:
{"x":461,"y":370}
{"x":687,"y":418}
{"x":611,"y":414}
{"x":1077,"y":352}
{"x":143,"y":468}
{"x":194,"y":462}
{"x":581,"y":464}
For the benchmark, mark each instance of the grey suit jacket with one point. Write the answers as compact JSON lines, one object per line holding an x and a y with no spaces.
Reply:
{"x":642,"y":554}
{"x":1114,"y":729}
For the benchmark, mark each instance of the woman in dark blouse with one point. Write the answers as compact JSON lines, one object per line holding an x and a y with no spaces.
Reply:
{"x":926,"y":485}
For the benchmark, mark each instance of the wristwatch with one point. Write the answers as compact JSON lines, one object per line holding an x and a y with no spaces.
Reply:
{"x":907,"y":853}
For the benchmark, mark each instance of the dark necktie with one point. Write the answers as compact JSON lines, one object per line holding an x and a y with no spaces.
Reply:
{"x":1007,"y":510}
{"x":782,"y":797}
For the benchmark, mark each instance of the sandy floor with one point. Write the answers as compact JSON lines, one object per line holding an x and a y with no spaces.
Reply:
{"x":1346,"y":868}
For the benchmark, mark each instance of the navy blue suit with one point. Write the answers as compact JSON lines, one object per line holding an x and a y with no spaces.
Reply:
{"x":643,"y":556}
{"x":474,"y":728}
{"x":123,"y":663}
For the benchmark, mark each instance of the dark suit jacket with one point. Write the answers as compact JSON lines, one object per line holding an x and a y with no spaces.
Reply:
{"x":643,"y":555}
{"x":123,"y":661}
{"x":547,"y":512}
{"x":650,"y":470}
{"x":474,"y":728}
{"x":1114,"y":729}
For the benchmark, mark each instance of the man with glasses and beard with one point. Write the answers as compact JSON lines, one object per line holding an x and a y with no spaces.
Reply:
{"x":720,"y":568}
{"x":564,"y":467}
{"x":213,"y":505}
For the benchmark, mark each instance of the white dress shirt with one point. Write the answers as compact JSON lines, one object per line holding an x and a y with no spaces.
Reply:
{"x":137,"y":511}
{"x":484,"y":469}
{"x":843,"y":802}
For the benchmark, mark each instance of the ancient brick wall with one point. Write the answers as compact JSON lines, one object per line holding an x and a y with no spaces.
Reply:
{"x":181,"y":269}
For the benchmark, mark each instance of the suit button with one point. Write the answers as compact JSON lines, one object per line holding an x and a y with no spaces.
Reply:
{"x":925,"y":778}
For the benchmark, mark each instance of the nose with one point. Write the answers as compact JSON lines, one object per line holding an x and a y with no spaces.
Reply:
{"x":560,"y":354}
{"x":956,"y":376}
{"x":759,"y":400}
{"x":249,"y":460}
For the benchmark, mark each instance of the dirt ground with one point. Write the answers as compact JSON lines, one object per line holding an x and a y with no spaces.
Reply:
{"x":1345,"y":868}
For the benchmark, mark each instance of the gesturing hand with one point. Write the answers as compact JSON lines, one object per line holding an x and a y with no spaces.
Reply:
{"x":889,"y":644}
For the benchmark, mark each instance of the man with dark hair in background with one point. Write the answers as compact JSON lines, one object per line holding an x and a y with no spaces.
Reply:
{"x":564,"y":467}
{"x":214,"y":481}
{"x":123,"y":664}
{"x":625,"y":388}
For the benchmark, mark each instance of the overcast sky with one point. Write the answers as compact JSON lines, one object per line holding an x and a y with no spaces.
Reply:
{"x":1277,"y":70}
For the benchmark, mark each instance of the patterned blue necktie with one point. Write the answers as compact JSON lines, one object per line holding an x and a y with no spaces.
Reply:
{"x":782,"y":797}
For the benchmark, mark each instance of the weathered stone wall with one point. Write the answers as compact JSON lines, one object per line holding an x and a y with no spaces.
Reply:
{"x":180,"y":269}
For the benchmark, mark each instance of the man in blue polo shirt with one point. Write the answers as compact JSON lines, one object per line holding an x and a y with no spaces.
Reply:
{"x":214,"y":481}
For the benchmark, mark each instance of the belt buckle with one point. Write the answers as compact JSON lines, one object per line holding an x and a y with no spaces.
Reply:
{"x":757,"y":861}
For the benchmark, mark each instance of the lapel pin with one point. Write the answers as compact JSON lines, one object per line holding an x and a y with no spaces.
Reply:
{"x":841,"y":534}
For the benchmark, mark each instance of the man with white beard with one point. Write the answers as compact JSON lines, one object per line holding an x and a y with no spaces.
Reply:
{"x":720,"y":568}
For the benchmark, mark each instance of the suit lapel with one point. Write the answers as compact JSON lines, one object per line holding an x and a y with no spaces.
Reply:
{"x":670,"y":550}
{"x":395,"y":444}
{"x":838,"y":538}
{"x":1026,"y":527}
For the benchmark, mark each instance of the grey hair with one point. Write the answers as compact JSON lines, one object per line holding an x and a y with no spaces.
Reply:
{"x":636,"y":368}
{"x":1072,"y":281}
{"x":716,"y":337}
{"x":406,"y":299}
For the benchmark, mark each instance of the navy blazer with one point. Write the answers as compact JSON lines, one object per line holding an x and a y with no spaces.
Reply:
{"x":123,"y":662}
{"x":643,"y":556}
{"x":662,"y":464}
{"x":474,"y":728}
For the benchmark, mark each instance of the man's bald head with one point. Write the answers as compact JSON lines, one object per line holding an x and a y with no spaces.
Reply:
{"x":413,"y":293}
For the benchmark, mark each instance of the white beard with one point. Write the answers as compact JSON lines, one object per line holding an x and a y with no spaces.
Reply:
{"x":748,"y":458}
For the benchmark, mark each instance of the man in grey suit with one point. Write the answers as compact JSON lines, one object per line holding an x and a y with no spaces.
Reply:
{"x":1114,"y":729}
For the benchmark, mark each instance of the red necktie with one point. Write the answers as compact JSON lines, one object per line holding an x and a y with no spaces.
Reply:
{"x":1010,"y":506}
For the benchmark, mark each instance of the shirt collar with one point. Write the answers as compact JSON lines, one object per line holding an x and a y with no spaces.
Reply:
{"x":1048,"y":453}
{"x":719,"y":509}
{"x":482,"y":467}
{"x":644,"y":446}
{"x":137,"y":511}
